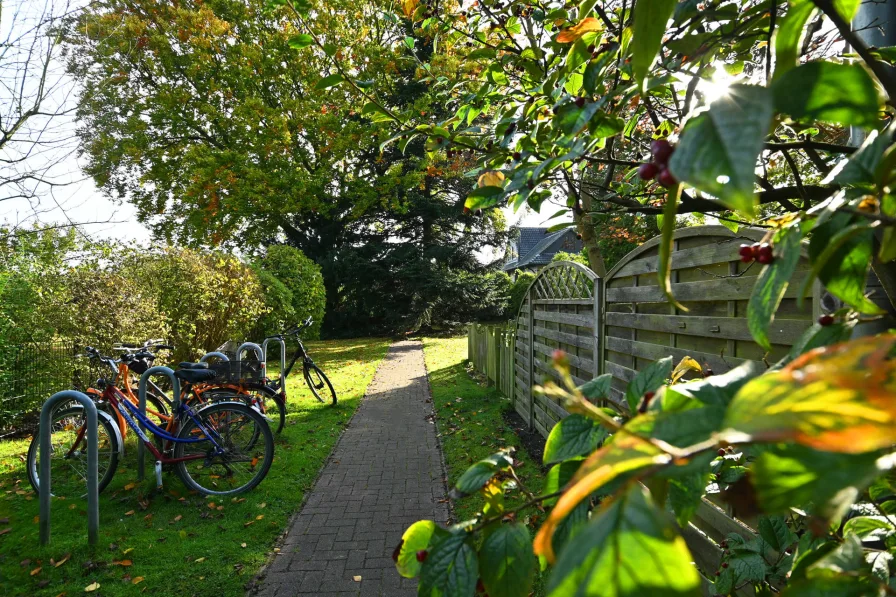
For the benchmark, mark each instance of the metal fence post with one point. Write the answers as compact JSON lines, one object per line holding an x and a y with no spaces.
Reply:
{"x":531,"y":359}
{"x":259,"y":352}
{"x":209,"y":355}
{"x":141,"y":395}
{"x":45,"y":489}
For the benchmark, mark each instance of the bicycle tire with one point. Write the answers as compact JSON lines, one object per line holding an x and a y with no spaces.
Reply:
{"x":63,"y":484}
{"x":220,"y":417}
{"x":321,"y":383}
{"x":268,"y":397}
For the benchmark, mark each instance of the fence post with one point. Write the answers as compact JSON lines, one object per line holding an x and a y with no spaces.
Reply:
{"x":46,"y":484}
{"x":598,"y":328}
{"x":531,"y":360}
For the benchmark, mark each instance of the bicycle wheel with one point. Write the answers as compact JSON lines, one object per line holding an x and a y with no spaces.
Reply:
{"x":266,"y":398}
{"x":68,"y":452}
{"x":319,"y":384}
{"x":237,"y":446}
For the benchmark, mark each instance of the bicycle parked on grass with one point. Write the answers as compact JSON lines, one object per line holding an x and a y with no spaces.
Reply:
{"x":219,"y":448}
{"x":315,"y":378}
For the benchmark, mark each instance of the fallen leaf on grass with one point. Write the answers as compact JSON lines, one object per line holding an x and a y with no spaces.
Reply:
{"x":62,"y":561}
{"x":36,"y":519}
{"x":4,"y":531}
{"x":127,"y":551}
{"x":124,"y":563}
{"x":130,"y":486}
{"x":36,"y":571}
{"x":129,"y":513}
{"x":199,"y":560}
{"x":259,"y":517}
{"x":137,"y":580}
{"x":211,"y":505}
{"x":263,"y":505}
{"x":92,"y":587}
{"x":249,"y":523}
{"x":178,"y":518}
{"x":241,"y":545}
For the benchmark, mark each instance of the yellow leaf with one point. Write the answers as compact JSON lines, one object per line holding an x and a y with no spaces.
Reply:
{"x":72,"y":506}
{"x":36,"y":571}
{"x":570,"y":35}
{"x":259,"y":517}
{"x":409,"y":6}
{"x":242,"y":545}
{"x":130,"y":486}
{"x":686,"y":364}
{"x":248,"y":523}
{"x":36,"y":519}
{"x":491,"y":179}
{"x":263,"y":505}
{"x":356,"y":578}
{"x":92,"y":587}
{"x":199,"y":560}
{"x":129,"y":513}
{"x":137,"y":580}
{"x":127,"y":551}
{"x":62,"y":561}
{"x":623,"y":455}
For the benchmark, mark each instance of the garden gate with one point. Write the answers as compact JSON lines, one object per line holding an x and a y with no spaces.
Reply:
{"x":559,"y":311}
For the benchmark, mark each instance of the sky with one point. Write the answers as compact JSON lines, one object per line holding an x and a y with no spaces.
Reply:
{"x":73,"y":197}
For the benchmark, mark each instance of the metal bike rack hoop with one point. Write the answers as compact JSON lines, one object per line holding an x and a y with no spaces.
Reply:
{"x":93,"y":498}
{"x":141,"y":404}
{"x":259,"y":351}
{"x":209,"y":355}
{"x":264,"y":347}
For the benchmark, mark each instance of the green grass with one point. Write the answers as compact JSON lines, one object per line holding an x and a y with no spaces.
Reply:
{"x":176,"y":541}
{"x":469,"y":415}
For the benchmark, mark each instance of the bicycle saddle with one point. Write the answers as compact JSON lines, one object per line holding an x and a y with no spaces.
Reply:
{"x":195,"y":375}
{"x":188,"y":365}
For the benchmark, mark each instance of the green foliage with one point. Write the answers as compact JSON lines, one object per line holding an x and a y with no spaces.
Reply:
{"x":518,"y":292}
{"x":302,"y":279}
{"x":574,"y":257}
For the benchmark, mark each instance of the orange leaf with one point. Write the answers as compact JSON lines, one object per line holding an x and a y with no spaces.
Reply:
{"x":130,"y":486}
{"x":36,"y":571}
{"x":567,"y":36}
{"x":62,"y":561}
{"x":491,"y":179}
{"x":623,"y":455}
{"x":125,"y":563}
{"x":137,"y":580}
{"x":839,"y":398}
{"x":211,"y":505}
{"x":129,"y":513}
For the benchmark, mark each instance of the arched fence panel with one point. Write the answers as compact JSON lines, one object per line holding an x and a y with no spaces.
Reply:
{"x":640,"y":326}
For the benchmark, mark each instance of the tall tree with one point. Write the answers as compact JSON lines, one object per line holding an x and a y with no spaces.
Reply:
{"x":205,"y":116}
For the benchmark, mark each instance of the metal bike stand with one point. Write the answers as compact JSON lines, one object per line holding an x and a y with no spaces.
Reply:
{"x":141,"y":395}
{"x":264,"y":347}
{"x":93,"y":494}
{"x":259,"y":352}
{"x":209,"y":355}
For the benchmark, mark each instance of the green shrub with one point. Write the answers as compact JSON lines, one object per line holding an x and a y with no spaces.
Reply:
{"x":518,"y":293}
{"x":302,"y":278}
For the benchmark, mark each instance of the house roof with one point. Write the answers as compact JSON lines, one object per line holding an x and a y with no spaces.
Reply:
{"x":533,"y":247}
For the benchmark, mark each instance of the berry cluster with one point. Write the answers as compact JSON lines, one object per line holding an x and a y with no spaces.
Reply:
{"x":661,"y":150}
{"x":761,"y":252}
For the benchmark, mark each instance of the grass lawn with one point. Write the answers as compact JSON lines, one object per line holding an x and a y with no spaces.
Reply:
{"x":173,"y":542}
{"x":470,"y":422}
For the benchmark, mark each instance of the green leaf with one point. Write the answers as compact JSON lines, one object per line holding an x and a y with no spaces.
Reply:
{"x":571,"y":119}
{"x":574,"y":435}
{"x":861,"y":166}
{"x":375,"y":112}
{"x":650,"y":18}
{"x":720,"y":145}
{"x":478,"y":475}
{"x":483,"y":197}
{"x":795,"y":476}
{"x":847,"y":557}
{"x":865,"y":527}
{"x":664,"y":271}
{"x":775,"y":532}
{"x":649,"y":379}
{"x":841,"y":261}
{"x":451,"y":568}
{"x":789,"y":35}
{"x":506,"y":562}
{"x":416,"y":538}
{"x":685,"y":495}
{"x":558,"y":476}
{"x":329,"y":81}
{"x":598,"y":388}
{"x":841,"y":93}
{"x":629,"y":549}
{"x":771,"y":284}
{"x":837,"y":586}
{"x":847,"y":8}
{"x":716,"y":390}
{"x":301,"y":41}
{"x":818,"y":336}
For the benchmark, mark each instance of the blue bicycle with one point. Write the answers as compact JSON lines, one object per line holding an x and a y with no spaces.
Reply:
{"x":223,"y":448}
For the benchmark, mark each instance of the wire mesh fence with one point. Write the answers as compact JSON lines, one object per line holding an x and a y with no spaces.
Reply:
{"x":32,"y":372}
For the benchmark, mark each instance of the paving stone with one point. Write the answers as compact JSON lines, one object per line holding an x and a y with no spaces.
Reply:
{"x":384,"y":475}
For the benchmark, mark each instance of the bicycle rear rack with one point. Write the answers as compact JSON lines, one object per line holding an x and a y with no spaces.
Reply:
{"x":93,"y":494}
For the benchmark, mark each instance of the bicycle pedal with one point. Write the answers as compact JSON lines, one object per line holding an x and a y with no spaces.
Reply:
{"x":158,"y":474}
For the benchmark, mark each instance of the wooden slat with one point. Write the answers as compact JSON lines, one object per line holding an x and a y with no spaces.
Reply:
{"x":708,"y":254}
{"x":717,"y":524}
{"x":538,"y":426}
{"x":707,"y":554}
{"x":573,"y":339}
{"x":552,"y":406}
{"x":522,"y":372}
{"x":655,"y":352}
{"x":521,"y":410}
{"x":620,"y":372}
{"x":585,"y":320}
{"x":781,"y":331}
{"x":564,"y":301}
{"x":583,"y":364}
{"x":724,"y":289}
{"x":545,"y":368}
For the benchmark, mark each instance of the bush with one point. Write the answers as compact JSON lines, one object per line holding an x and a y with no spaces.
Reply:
{"x":302,"y":278}
{"x":518,"y":293}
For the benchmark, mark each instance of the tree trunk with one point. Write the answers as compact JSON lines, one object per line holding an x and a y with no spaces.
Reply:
{"x":586,"y":228}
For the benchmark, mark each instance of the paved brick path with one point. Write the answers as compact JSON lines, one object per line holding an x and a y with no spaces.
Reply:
{"x":385,"y":474}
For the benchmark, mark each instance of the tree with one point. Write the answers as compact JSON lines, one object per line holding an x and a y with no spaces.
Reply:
{"x":248,"y":143}
{"x":302,"y":288}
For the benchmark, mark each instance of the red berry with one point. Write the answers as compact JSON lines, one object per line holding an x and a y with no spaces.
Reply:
{"x":746,"y":252}
{"x":765,"y":258}
{"x":666,"y":178}
{"x":649,"y":395}
{"x":517,"y":155}
{"x":591,"y":48}
{"x":580,"y":101}
{"x":661,"y":150}
{"x":579,"y":236}
{"x":648,"y":171}
{"x":723,"y":545}
{"x":825,"y":320}
{"x":724,"y":564}
{"x":718,"y":573}
{"x":722,"y":452}
{"x":466,"y":210}
{"x":421,"y":555}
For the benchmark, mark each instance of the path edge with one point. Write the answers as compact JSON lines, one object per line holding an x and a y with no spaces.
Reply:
{"x":435,"y":420}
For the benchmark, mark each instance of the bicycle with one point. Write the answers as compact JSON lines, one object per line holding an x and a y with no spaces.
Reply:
{"x":222,"y":443}
{"x":317,"y":381}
